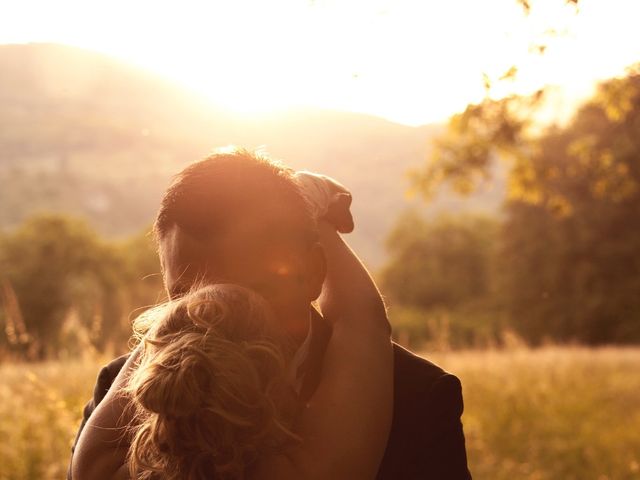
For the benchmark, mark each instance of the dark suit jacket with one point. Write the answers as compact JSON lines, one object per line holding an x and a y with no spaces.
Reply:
{"x":426,"y":439}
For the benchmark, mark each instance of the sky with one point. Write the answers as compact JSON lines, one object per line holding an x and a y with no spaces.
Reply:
{"x":410,"y":61}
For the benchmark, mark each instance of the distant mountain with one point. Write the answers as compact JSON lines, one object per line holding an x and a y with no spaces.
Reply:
{"x":83,"y":133}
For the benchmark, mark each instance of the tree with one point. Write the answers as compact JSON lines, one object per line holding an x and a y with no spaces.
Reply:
{"x":44,"y":261}
{"x":440,"y":280}
{"x":55,"y":268}
{"x":569,"y":244}
{"x":572,"y":270}
{"x":438,"y":264}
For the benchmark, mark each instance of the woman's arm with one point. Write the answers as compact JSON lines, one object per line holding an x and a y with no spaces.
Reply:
{"x":347,"y":421}
{"x":103,"y":445}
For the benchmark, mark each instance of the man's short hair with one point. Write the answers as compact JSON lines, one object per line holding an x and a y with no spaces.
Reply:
{"x":210,"y":194}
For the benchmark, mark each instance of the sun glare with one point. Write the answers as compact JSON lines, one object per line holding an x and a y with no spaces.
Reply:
{"x":409,"y":61}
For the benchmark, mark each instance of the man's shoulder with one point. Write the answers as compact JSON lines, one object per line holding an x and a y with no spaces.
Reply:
{"x":414,"y":369}
{"x":424,"y":389}
{"x":106,"y":376}
{"x":426,"y":438}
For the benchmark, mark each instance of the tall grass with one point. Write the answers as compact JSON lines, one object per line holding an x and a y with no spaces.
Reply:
{"x":554,"y":413}
{"x":40,"y":410}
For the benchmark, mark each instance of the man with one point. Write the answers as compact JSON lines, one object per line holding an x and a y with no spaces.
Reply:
{"x":239,"y":218}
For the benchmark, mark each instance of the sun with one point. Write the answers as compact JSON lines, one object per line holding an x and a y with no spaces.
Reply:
{"x":408,"y":61}
{"x":243,"y":94}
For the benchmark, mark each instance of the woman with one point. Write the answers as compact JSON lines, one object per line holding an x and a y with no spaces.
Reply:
{"x":207,"y":393}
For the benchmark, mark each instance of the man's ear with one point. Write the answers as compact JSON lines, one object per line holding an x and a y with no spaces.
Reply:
{"x":183,"y":260}
{"x":317,"y":269}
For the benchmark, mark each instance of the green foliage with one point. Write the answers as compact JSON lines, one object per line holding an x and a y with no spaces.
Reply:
{"x":60,"y":279}
{"x":566,"y":267}
{"x":602,"y":143}
{"x":48,"y":261}
{"x":479,"y":324}
{"x":441,"y":263}
{"x":440,"y":281}
{"x":571,"y":269}
{"x":463,"y":156}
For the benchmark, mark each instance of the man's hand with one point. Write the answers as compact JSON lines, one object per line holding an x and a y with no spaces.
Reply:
{"x":327,"y":198}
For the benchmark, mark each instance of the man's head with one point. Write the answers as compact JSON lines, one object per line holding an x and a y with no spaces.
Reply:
{"x":238,"y":217}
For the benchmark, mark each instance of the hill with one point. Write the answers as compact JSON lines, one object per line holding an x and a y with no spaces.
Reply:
{"x":87,"y":134}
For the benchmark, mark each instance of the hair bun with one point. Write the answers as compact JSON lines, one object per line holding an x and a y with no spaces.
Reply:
{"x":177,"y":386}
{"x":211,"y":390}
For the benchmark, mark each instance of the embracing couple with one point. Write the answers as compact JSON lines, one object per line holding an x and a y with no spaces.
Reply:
{"x":273,"y":357}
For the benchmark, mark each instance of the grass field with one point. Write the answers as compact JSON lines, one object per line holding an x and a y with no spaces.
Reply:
{"x":555,"y":413}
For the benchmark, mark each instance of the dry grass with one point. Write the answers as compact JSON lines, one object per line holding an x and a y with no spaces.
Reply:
{"x":555,"y":413}
{"x":40,"y":410}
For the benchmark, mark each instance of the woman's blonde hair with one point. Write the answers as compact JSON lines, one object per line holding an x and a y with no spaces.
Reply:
{"x":211,"y":390}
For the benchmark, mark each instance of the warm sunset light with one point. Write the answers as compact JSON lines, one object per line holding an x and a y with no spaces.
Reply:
{"x":409,"y":61}
{"x":390,"y":239}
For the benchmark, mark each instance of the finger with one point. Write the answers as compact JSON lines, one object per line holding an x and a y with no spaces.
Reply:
{"x":339,"y":213}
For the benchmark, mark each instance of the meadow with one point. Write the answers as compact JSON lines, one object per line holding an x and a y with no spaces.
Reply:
{"x":557,"y":413}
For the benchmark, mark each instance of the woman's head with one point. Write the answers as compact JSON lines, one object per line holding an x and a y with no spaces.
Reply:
{"x":211,"y":390}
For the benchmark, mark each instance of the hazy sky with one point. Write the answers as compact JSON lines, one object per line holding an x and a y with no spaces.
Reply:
{"x":411,"y":61}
